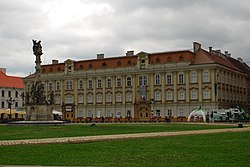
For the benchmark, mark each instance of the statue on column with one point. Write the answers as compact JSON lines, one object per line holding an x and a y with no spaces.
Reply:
{"x":37,"y":51}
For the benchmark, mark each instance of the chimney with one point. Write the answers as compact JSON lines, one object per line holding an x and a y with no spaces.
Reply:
{"x":196,"y":46}
{"x":130,"y":53}
{"x":240,"y":59}
{"x":3,"y":70}
{"x":100,"y":56}
{"x":54,"y":61}
{"x":218,"y":52}
{"x":210,"y":50}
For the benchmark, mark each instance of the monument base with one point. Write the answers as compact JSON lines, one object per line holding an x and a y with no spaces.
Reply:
{"x":39,"y":113}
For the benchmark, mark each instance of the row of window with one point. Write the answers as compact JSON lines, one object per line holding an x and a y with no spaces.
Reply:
{"x":118,"y":97}
{"x":9,"y":93}
{"x":5,"y":105}
{"x":118,"y":114}
{"x":143,"y":81}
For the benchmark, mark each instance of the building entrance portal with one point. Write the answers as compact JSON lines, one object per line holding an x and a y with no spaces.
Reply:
{"x":142,"y":112}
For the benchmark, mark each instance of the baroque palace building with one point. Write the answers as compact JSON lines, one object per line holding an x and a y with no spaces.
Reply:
{"x":146,"y":86}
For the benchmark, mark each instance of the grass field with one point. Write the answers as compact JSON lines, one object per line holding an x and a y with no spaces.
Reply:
{"x":224,"y":149}
{"x":35,"y":132}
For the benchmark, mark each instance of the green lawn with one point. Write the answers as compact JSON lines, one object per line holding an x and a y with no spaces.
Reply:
{"x":35,"y":132}
{"x":224,"y":149}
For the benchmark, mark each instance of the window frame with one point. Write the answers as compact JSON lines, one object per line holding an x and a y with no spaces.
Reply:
{"x":181,"y":78}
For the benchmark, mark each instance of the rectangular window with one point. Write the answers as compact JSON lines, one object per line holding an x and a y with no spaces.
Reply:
{"x":9,"y":93}
{"x":128,"y":113}
{"x":2,"y":93}
{"x":80,"y":84}
{"x":90,"y":114}
{"x":2,"y":104}
{"x":109,"y":113}
{"x":169,"y":79}
{"x":181,"y":95}
{"x":181,"y":112}
{"x":158,"y":113}
{"x":193,"y":94}
{"x":157,"y":96}
{"x":16,"y":94}
{"x":169,"y":112}
{"x":181,"y":78}
{"x":90,"y":84}
{"x":118,"y":97}
{"x":128,"y":97}
{"x":90,"y":99}
{"x":119,"y":82}
{"x":99,"y":83}
{"x":16,"y":104}
{"x":69,"y":85}
{"x":206,"y":94}
{"x":169,"y":95}
{"x":108,"y":83}
{"x":99,"y":98}
{"x":206,"y":76}
{"x":193,"y":77}
{"x":58,"y":100}
{"x":69,"y":99}
{"x":80,"y":99}
{"x":108,"y":98}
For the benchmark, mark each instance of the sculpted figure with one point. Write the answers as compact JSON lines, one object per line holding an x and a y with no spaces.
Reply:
{"x":37,"y":48}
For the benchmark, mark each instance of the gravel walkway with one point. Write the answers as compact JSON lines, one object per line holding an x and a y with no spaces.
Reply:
{"x":116,"y":137}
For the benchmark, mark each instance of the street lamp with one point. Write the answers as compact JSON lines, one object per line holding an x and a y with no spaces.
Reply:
{"x":10,"y":102}
{"x":152,"y":109}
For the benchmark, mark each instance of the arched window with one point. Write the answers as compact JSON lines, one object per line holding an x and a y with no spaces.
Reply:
{"x":129,"y":81}
{"x":90,"y":66}
{"x":80,"y":84}
{"x":119,"y":82}
{"x":81,"y":66}
{"x":58,"y":85}
{"x":157,"y":79}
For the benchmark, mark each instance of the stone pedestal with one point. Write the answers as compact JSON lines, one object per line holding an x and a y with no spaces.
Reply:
{"x":39,"y":113}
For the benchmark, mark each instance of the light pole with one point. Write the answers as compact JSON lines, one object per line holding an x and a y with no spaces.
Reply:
{"x":152,"y":109}
{"x":10,"y":101}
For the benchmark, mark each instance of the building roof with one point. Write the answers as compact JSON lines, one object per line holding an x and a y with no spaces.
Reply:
{"x":241,"y":65}
{"x":204,"y":57}
{"x":10,"y":81}
{"x":197,"y":57}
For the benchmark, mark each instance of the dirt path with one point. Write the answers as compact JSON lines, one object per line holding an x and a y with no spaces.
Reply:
{"x":116,"y":137}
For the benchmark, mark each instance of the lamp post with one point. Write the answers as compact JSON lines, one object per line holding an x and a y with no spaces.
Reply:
{"x":10,"y":101}
{"x":152,"y":109}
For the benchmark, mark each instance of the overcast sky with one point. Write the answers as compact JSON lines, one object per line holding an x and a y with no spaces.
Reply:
{"x":79,"y":29}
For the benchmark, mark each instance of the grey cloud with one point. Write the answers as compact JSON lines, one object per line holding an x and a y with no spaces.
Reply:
{"x":140,"y":25}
